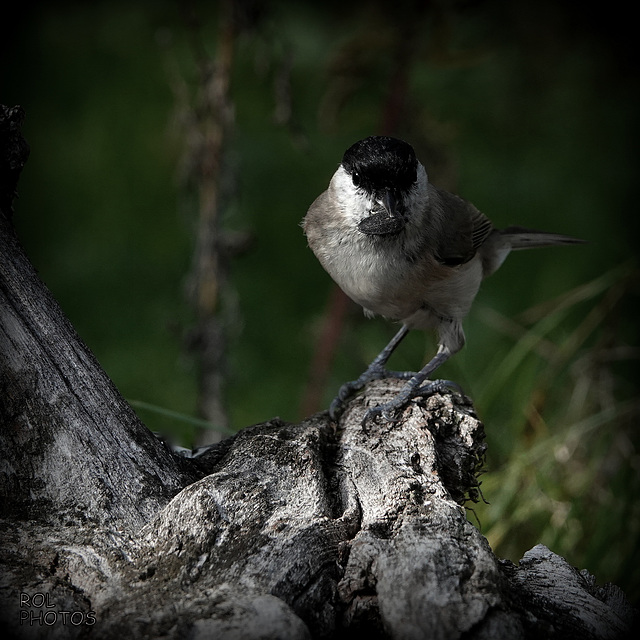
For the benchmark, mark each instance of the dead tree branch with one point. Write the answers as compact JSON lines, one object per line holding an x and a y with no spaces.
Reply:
{"x":310,"y":530}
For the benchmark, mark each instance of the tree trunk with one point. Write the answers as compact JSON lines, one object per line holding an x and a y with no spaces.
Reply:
{"x":310,"y":530}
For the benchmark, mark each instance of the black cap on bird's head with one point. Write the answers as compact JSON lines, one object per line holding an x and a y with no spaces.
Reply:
{"x":380,"y":162}
{"x":385,"y":168}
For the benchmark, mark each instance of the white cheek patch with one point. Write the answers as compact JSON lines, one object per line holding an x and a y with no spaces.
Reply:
{"x":354,"y":203}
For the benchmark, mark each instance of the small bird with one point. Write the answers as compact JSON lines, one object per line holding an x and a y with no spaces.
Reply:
{"x":408,"y":251}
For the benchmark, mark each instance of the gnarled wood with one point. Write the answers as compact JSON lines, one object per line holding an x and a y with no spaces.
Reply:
{"x":310,"y":530}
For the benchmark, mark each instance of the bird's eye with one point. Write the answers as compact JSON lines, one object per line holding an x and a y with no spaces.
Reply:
{"x":356,"y":178}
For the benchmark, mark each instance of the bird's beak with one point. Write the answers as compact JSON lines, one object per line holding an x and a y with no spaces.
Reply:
{"x":390,"y":203}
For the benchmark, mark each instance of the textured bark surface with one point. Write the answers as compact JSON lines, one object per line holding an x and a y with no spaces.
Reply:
{"x":310,"y":530}
{"x":69,"y":438}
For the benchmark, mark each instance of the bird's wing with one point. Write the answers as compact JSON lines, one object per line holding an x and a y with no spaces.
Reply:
{"x":464,"y":230}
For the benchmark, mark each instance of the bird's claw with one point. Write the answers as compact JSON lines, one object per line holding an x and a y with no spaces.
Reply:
{"x":349,"y":388}
{"x":390,"y":412}
{"x":384,"y":412}
{"x":344,"y":393}
{"x":335,"y":409}
{"x":437,"y":386}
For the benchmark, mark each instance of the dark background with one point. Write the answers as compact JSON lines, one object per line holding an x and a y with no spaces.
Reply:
{"x":527,"y":109}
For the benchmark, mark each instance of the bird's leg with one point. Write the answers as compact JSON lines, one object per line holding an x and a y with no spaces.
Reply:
{"x":375,"y":371}
{"x":451,"y":341}
{"x":418,"y":385}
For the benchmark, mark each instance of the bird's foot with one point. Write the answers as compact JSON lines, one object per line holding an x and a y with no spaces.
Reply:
{"x":349,"y":388}
{"x":344,"y":393}
{"x":390,"y":411}
{"x":437,"y":386}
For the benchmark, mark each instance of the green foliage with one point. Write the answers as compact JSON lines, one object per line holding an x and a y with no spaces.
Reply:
{"x":565,"y":470}
{"x":525,"y":112}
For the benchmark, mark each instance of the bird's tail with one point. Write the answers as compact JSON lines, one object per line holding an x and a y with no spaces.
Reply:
{"x":521,"y":238}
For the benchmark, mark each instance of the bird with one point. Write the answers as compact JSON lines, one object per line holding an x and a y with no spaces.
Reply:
{"x":408,"y":251}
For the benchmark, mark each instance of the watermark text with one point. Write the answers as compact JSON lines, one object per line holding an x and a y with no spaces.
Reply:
{"x":38,"y":609}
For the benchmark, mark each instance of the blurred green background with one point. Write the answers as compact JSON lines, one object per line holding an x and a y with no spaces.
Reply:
{"x":528,"y":109}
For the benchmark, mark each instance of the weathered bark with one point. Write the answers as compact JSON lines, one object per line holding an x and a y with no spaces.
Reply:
{"x":69,"y":439}
{"x":282,"y":531}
